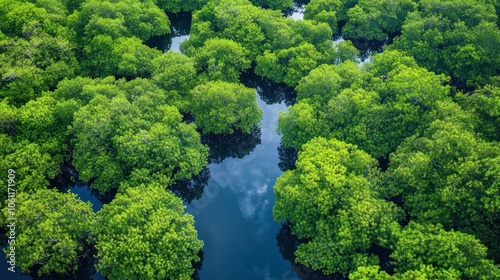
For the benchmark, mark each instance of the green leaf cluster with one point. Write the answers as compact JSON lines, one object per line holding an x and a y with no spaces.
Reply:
{"x":144,"y":233}
{"x":50,"y":230}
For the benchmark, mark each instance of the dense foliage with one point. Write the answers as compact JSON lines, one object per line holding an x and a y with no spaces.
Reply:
{"x":152,"y":220}
{"x":330,"y":200}
{"x":397,"y":154}
{"x":50,"y":230}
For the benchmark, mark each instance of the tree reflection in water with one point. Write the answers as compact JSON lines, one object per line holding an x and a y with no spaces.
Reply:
{"x":180,"y":25}
{"x":236,"y":145}
{"x":287,"y":244}
{"x":287,"y":156}
{"x":191,"y":189}
{"x":269,"y":91}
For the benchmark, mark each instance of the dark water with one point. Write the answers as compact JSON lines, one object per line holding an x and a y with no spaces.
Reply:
{"x":234,"y":215}
{"x":180,"y":25}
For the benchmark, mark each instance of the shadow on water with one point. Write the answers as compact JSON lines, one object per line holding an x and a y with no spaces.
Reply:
{"x":269,"y":91}
{"x":297,"y":10}
{"x":68,"y":180}
{"x":236,"y":145}
{"x":287,"y":156}
{"x":180,"y":25}
{"x":191,"y":189}
{"x":287,"y":244}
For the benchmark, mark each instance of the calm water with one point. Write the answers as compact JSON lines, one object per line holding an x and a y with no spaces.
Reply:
{"x":234,"y":215}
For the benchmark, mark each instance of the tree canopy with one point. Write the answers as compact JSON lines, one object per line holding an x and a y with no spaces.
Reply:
{"x":221,"y":107}
{"x":50,"y":230}
{"x":165,"y":242}
{"x":330,"y":200}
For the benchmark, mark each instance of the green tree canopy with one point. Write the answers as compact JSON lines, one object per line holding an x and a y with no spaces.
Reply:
{"x":431,"y":245}
{"x":221,"y":107}
{"x":175,"y":73}
{"x":375,"y":106}
{"x":35,"y":50}
{"x":484,"y":103}
{"x":119,"y":18}
{"x":126,"y":127}
{"x":221,"y":59}
{"x":126,"y":57}
{"x":50,"y":230}
{"x":330,"y":200}
{"x":373,"y":20}
{"x":457,"y":38}
{"x":144,"y":233}
{"x":449,"y":176}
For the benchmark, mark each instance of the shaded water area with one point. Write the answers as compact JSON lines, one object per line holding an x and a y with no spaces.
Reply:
{"x":180,"y":25}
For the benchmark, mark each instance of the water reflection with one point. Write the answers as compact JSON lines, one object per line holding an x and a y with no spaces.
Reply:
{"x":236,"y":145}
{"x":287,"y":244}
{"x":191,"y":189}
{"x":269,"y":91}
{"x":296,"y":12}
{"x":234,"y":215}
{"x":287,"y":156}
{"x":68,"y":180}
{"x":180,"y":25}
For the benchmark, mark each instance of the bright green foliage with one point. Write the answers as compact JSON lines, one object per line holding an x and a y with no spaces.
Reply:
{"x":375,"y":107}
{"x":144,"y":233}
{"x":289,"y":65}
{"x":127,"y":127}
{"x":372,"y":20}
{"x":326,"y":81}
{"x":234,"y":20}
{"x":82,"y":90}
{"x":221,"y":107}
{"x":27,"y":18}
{"x":274,"y":4}
{"x":175,"y":72}
{"x":329,"y":200}
{"x":450,"y":176}
{"x":300,"y":124}
{"x":134,"y":57}
{"x":35,"y":50}
{"x":256,"y":29}
{"x":458,"y":38}
{"x":485,"y":104}
{"x":422,"y":273}
{"x":123,"y":57}
{"x":454,"y":251}
{"x":329,"y":11}
{"x":221,"y":59}
{"x":45,"y":120}
{"x":119,"y":18}
{"x":33,"y":166}
{"x":365,"y":19}
{"x":50,"y":229}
